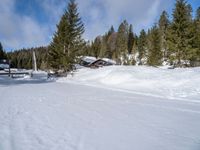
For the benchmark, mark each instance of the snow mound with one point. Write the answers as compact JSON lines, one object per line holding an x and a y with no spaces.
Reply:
{"x":168,"y":83}
{"x":39,"y":75}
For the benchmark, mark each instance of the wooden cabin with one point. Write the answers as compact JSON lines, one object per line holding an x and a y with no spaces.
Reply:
{"x":92,"y":62}
{"x":87,"y":60}
{"x":101,"y":62}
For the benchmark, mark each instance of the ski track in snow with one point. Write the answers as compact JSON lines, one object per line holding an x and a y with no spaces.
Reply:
{"x":69,"y":116}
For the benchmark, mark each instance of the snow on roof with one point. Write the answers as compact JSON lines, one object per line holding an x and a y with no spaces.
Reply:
{"x":109,"y":60}
{"x":88,"y":59}
{"x":91,"y":60}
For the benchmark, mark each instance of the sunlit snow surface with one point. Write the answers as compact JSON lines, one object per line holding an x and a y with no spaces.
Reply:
{"x":112,"y":108}
{"x":180,"y":83}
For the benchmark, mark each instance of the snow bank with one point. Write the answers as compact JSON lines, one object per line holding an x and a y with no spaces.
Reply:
{"x":39,"y":75}
{"x":169,"y":83}
{"x":17,"y":78}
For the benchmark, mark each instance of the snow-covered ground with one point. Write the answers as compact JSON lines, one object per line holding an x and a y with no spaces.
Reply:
{"x":178,"y":83}
{"x":112,"y":108}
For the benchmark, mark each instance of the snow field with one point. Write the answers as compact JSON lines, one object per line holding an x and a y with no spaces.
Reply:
{"x":168,"y":83}
{"x":111,"y":113}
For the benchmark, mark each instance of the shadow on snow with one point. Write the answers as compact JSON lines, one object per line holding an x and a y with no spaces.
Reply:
{"x":6,"y":81}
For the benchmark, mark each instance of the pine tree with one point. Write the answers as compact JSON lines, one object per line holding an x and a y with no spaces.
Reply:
{"x":103,"y":47}
{"x":111,"y":45}
{"x":189,"y":12}
{"x":2,"y":53}
{"x":96,"y":47}
{"x":130,"y":39}
{"x":142,"y":46}
{"x":197,"y":27}
{"x":76,"y":27}
{"x":154,"y":53}
{"x":67,"y":41}
{"x":57,"y":50}
{"x":105,"y":50}
{"x":107,"y":39}
{"x":198,"y":14}
{"x":163,"y":27}
{"x":122,"y":43}
{"x":179,"y":35}
{"x":111,"y":31}
{"x":194,"y":55}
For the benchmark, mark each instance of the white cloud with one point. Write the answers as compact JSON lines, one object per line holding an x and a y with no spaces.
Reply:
{"x":140,"y":13}
{"x":20,"y":31}
{"x":53,"y":8}
{"x":17,"y":31}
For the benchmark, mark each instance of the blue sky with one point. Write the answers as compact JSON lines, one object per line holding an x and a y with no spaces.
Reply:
{"x":31,"y":23}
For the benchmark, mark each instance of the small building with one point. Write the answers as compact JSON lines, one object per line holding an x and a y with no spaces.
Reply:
{"x":86,"y":60}
{"x":4,"y":64}
{"x":92,"y":62}
{"x":102,"y":62}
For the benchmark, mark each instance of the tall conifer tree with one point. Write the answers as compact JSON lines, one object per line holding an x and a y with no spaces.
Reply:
{"x":96,"y":47}
{"x":142,"y":46}
{"x":105,"y":47}
{"x":163,"y":26}
{"x":195,"y":53}
{"x":198,"y":14}
{"x":67,"y":41}
{"x":130,"y":39}
{"x":180,"y":32}
{"x":2,"y":53}
{"x":154,"y":53}
{"x":122,"y":42}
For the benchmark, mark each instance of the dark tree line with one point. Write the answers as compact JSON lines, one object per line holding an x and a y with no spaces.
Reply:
{"x":3,"y":54}
{"x":23,"y":58}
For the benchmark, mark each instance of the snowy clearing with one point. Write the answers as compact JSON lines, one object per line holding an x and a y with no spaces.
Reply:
{"x":166,"y":83}
{"x":109,"y":114}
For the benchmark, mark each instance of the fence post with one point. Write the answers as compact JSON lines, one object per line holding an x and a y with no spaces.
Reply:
{"x":9,"y":68}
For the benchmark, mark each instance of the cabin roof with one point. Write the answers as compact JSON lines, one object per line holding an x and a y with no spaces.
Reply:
{"x":88,"y":59}
{"x":92,"y":61}
{"x":109,"y":61}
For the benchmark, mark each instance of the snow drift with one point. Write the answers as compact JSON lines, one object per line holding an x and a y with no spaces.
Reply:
{"x":178,"y":83}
